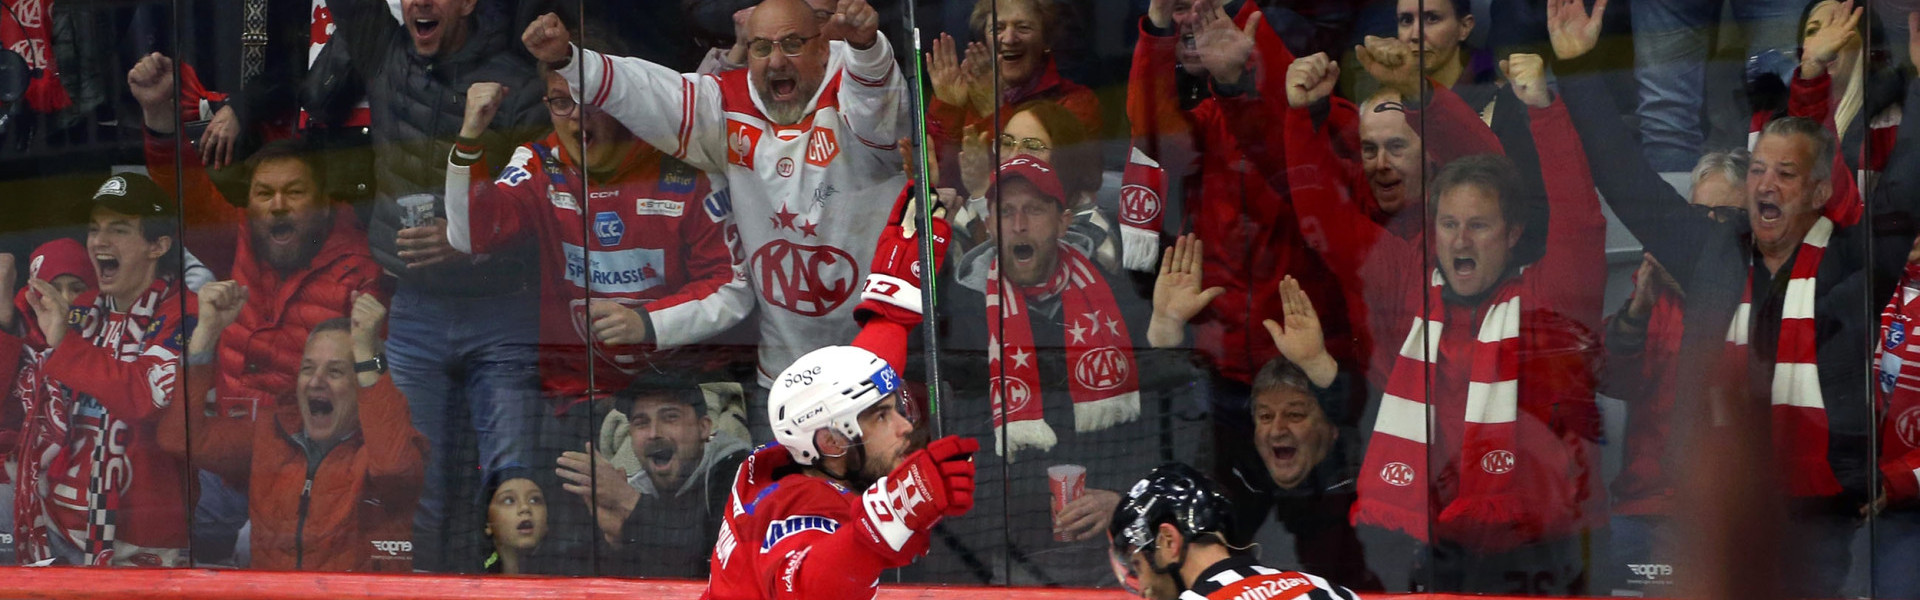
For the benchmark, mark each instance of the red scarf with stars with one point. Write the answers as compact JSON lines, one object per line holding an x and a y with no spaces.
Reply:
{"x":1103,"y":381}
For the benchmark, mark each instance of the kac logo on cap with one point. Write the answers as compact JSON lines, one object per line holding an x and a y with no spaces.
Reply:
{"x":115,"y":186}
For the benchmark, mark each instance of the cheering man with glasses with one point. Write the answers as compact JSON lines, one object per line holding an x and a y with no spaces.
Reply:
{"x":633,"y":244}
{"x":806,"y":138}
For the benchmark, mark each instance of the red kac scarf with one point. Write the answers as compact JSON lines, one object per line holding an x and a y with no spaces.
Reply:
{"x":1143,"y":190}
{"x":1393,"y":489}
{"x":1103,"y":383}
{"x":1799,"y":408}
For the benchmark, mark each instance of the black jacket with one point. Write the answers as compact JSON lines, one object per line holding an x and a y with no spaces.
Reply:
{"x":1713,"y":260}
{"x":418,"y":103}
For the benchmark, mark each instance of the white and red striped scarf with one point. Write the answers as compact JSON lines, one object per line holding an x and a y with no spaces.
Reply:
{"x":1799,"y":408}
{"x":1898,"y":360}
{"x":1103,"y":383}
{"x":1395,"y":496}
{"x":1143,"y":193}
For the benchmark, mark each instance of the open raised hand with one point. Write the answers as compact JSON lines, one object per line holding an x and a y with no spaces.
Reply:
{"x":943,"y":69}
{"x":1225,"y":50}
{"x":1573,"y":30}
{"x":1839,"y":30}
{"x":1177,"y":295}
{"x":1298,"y":334}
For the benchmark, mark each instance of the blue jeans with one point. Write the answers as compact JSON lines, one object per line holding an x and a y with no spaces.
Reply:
{"x":1896,"y":555}
{"x":217,"y":521}
{"x":1671,"y":40}
{"x":467,"y":368}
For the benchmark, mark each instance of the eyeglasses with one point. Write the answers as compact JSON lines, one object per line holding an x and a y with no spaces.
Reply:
{"x":562,"y":106}
{"x":790,"y":46}
{"x":1009,"y":143}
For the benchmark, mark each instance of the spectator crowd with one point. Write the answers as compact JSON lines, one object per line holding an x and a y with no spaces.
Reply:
{"x":1446,"y":295}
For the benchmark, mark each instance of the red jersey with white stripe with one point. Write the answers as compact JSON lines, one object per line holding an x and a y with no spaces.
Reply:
{"x":810,"y":197}
{"x":791,"y":535}
{"x":654,"y":237}
{"x":1898,"y":392}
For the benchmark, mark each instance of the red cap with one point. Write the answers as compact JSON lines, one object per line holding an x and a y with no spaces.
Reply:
{"x":1036,"y":172}
{"x":62,"y":256}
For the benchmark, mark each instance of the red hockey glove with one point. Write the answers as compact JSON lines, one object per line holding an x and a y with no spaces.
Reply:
{"x":930,"y":484}
{"x":893,"y":280}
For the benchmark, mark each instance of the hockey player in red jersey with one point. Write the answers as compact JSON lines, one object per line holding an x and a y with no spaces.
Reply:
{"x":842,"y":496}
{"x":1169,"y":541}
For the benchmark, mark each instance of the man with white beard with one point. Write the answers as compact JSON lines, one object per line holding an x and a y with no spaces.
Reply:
{"x":805,"y":136}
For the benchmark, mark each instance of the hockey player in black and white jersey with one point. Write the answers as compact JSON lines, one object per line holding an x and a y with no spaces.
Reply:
{"x":1169,"y":541}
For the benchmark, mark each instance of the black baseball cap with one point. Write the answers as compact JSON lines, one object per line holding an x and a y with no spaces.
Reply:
{"x":134,"y":194}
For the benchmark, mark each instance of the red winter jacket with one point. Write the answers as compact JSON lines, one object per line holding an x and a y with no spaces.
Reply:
{"x":350,"y":511}
{"x":259,"y":355}
{"x":1250,"y":230}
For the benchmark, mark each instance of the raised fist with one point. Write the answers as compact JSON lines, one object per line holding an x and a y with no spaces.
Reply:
{"x":893,"y":280}
{"x":151,"y":81}
{"x":930,"y":484}
{"x":220,"y":304}
{"x":1391,"y":62}
{"x":367,"y":317}
{"x":483,"y":101}
{"x":547,"y":40}
{"x":1311,"y":79}
{"x":856,"y":22}
{"x":1527,"y":73}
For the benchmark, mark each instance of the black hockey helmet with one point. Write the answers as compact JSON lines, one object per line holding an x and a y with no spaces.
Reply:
{"x":1173,"y":493}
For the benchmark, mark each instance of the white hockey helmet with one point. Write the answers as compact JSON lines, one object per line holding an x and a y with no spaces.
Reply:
{"x":828,"y":387}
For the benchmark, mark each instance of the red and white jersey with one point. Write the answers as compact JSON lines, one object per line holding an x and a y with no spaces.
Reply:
{"x":774,"y":520}
{"x":654,"y":237}
{"x":96,"y":463}
{"x":810,"y":198}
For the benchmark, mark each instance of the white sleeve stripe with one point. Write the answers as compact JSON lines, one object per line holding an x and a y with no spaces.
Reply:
{"x":688,"y":98}
{"x":872,"y":82}
{"x":606,"y":81}
{"x":459,"y":226}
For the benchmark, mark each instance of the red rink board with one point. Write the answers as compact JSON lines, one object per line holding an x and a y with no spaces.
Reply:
{"x":205,"y":584}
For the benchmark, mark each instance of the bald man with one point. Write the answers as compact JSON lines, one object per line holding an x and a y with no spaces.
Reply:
{"x":805,"y":138}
